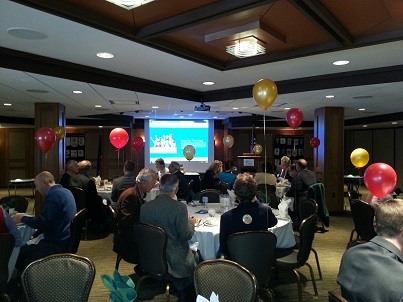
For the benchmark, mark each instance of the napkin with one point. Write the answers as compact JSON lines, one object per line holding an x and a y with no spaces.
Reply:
{"x":213,"y":298}
{"x":231,"y":195}
{"x":36,"y":239}
{"x":121,"y":287}
{"x":283,"y":209}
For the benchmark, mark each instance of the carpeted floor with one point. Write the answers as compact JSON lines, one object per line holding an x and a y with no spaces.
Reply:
{"x":330,"y":247}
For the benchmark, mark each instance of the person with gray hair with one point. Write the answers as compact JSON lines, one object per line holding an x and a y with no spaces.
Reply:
{"x":171,"y":215}
{"x":174,"y":169}
{"x":71,"y":169}
{"x":373,"y":271}
{"x":282,"y":169}
{"x":128,"y":214}
{"x":52,"y":224}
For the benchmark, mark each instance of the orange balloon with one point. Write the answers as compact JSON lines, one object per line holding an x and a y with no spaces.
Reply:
{"x":264,"y":93}
{"x":257,"y":149}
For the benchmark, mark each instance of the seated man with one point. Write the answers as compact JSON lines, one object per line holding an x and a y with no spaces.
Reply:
{"x":160,"y":166}
{"x":373,"y":271}
{"x":53,"y":224}
{"x":171,"y":215}
{"x":174,"y":169}
{"x":250,"y":215}
{"x":125,"y":181}
{"x":71,"y":169}
{"x":128,"y":213}
{"x":266,"y":175}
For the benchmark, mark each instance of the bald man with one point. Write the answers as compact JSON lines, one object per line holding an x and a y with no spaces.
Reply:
{"x":53,"y":223}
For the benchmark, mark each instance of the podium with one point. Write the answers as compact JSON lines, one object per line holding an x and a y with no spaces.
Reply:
{"x":248,"y":163}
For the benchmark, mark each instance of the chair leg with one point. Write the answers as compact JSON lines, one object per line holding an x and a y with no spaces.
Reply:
{"x":138,"y":285}
{"x":298,"y":275}
{"x":118,"y":259}
{"x":317,"y":263}
{"x":312,"y":278}
{"x":167,"y":295}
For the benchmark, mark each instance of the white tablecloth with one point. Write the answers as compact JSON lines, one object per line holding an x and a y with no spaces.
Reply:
{"x":105,"y":194}
{"x":26,"y":233}
{"x":208,"y":237}
{"x":280,"y":191}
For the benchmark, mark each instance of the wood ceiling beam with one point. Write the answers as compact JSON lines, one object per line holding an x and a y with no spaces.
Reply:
{"x":197,"y":16}
{"x":315,"y":11}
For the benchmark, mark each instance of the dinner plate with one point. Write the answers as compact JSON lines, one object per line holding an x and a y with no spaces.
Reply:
{"x":209,"y":224}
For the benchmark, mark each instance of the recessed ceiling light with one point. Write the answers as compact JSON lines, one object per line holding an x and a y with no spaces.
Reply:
{"x":365,"y":126}
{"x":362,"y":109}
{"x":287,"y":108}
{"x":341,"y":62}
{"x":147,"y":116}
{"x":98,"y":106}
{"x":26,"y":33}
{"x":7,"y":104}
{"x":394,"y":123}
{"x":181,"y":116}
{"x":105,"y":55}
{"x":215,"y":117}
{"x":235,"y":108}
{"x":77,"y":91}
{"x":329,"y":96}
{"x":208,"y":83}
{"x":155,"y":107}
{"x":100,"y":126}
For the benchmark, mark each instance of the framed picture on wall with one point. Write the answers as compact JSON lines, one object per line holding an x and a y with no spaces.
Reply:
{"x":75,"y":147}
{"x":291,"y":146}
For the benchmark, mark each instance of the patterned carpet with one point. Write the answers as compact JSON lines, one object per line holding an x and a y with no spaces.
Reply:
{"x":330,"y":247}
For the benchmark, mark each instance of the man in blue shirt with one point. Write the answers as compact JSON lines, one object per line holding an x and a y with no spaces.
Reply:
{"x":53,"y":223}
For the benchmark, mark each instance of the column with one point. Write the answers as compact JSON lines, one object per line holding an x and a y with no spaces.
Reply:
{"x":329,"y":156}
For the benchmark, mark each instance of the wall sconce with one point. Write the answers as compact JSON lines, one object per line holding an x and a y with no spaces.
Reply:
{"x":246,"y":47}
{"x":129,"y":4}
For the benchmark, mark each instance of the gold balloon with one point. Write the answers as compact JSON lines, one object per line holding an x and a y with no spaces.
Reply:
{"x":189,"y":152}
{"x":228,"y":141}
{"x":60,"y":132}
{"x":359,"y":157}
{"x":264,"y":93}
{"x":257,"y":149}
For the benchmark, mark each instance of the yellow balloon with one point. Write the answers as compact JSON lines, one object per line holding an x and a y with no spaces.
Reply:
{"x":60,"y":132}
{"x":264,"y":93}
{"x":257,"y":149}
{"x":359,"y":157}
{"x":228,"y":141}
{"x":189,"y":152}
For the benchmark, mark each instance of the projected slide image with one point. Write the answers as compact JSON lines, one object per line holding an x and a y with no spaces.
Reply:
{"x":167,"y":139}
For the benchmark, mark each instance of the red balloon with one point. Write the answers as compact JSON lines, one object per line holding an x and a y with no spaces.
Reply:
{"x":294,"y":117}
{"x":380,"y":179}
{"x":315,"y":142}
{"x":118,"y":137}
{"x":137,"y":143}
{"x":45,"y":138}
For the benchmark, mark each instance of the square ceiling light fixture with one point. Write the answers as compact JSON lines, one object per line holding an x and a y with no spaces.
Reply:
{"x":129,"y":4}
{"x":246,"y":47}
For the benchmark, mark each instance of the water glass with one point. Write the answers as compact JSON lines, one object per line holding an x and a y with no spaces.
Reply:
{"x":205,"y":201}
{"x":211,"y":213}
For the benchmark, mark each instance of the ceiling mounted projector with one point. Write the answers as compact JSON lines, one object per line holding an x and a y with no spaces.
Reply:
{"x":202,"y":107}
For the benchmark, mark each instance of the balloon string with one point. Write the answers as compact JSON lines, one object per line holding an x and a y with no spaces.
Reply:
{"x":265,"y":155}
{"x":46,"y":159}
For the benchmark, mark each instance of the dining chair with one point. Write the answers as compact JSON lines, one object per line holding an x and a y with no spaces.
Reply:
{"x":224,"y":187}
{"x":299,"y":257}
{"x":79,"y":197}
{"x":308,"y":207}
{"x":212,"y":194}
{"x":120,"y":255}
{"x":254,"y":250}
{"x":4,"y":297}
{"x":7,"y":242}
{"x":19,"y":203}
{"x":59,"y":277}
{"x":228,"y":279}
{"x":76,"y":227}
{"x":266,"y":187}
{"x":152,"y":242}
{"x":363,"y":218}
{"x":268,"y":198}
{"x":335,"y":297}
{"x":317,"y":193}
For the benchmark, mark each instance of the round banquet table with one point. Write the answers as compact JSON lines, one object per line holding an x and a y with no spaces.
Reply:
{"x":208,"y":236}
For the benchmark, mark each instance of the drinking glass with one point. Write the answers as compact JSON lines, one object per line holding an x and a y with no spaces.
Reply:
{"x":205,"y":201}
